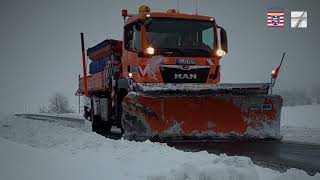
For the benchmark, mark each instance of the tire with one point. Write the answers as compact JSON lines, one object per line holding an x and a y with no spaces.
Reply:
{"x":100,"y":127}
{"x":95,"y":124}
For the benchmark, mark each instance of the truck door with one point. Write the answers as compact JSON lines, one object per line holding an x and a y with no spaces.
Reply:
{"x":132,"y":45}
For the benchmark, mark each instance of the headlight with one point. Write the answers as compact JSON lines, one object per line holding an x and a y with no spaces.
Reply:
{"x":150,"y":50}
{"x":130,"y":75}
{"x":220,"y":52}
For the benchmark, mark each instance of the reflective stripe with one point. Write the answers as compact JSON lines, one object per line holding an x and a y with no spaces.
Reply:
{"x":210,"y":62}
{"x":143,"y":72}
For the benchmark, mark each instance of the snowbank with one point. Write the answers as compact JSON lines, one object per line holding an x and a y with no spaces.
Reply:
{"x":42,"y":150}
{"x":301,"y":123}
{"x":68,"y":115}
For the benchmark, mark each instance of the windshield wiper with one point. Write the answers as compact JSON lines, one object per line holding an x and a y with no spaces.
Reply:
{"x":198,"y":49}
{"x":171,"y":50}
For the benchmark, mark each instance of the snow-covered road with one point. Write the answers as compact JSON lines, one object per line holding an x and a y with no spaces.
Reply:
{"x":47,"y":150}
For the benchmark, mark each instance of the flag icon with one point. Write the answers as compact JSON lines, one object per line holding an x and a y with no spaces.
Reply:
{"x":275,"y":19}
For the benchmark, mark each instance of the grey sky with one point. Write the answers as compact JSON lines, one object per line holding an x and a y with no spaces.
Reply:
{"x":40,"y":46}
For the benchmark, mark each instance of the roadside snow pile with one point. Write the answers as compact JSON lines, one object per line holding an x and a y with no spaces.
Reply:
{"x":60,"y":152}
{"x":68,"y":115}
{"x":301,"y":123}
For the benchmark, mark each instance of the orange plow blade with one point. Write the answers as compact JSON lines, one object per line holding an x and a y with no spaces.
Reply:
{"x":219,"y":116}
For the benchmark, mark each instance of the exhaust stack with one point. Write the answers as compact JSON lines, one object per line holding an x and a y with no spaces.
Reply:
{"x":84,"y":66}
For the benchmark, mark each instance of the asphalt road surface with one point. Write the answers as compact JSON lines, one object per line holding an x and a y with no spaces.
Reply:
{"x":274,"y":155}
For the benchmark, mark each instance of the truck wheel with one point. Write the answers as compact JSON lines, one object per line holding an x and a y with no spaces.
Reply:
{"x":95,"y":124}
{"x":99,"y":126}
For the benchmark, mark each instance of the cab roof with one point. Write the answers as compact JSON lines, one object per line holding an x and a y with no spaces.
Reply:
{"x":146,"y":15}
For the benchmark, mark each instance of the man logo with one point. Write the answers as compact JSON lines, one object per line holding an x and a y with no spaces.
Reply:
{"x":185,"y":76}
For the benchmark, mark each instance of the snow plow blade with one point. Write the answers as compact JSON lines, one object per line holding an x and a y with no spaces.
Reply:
{"x":205,"y":114}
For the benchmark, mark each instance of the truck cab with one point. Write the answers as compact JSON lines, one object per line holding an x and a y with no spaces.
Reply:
{"x":170,"y":47}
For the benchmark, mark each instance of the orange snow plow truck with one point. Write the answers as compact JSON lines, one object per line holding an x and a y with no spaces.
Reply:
{"x":162,"y":83}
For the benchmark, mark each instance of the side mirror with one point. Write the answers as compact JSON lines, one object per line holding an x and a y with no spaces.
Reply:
{"x":138,"y":27}
{"x":223,"y":40}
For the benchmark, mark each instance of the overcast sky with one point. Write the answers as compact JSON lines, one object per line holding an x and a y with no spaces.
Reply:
{"x":40,"y":43}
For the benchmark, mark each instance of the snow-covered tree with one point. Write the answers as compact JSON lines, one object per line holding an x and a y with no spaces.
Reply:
{"x":59,"y":104}
{"x":43,"y":109}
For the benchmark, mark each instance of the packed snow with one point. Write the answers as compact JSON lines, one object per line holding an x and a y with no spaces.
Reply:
{"x":301,"y":123}
{"x":35,"y":150}
{"x":186,"y":87}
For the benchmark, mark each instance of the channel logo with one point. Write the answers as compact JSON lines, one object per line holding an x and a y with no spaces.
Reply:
{"x":299,"y":19}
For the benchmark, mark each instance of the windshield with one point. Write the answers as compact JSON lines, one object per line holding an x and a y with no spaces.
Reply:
{"x":180,"y":37}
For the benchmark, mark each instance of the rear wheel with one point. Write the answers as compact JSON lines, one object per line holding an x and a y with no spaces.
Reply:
{"x":99,"y":126}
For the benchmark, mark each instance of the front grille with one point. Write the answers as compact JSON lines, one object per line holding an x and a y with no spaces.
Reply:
{"x":179,"y":75}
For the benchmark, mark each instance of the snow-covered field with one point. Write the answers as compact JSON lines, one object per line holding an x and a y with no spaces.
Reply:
{"x":301,"y":123}
{"x":44,"y":150}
